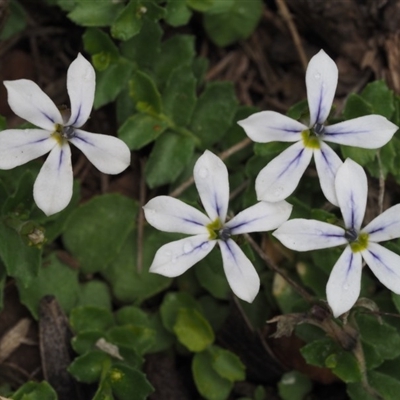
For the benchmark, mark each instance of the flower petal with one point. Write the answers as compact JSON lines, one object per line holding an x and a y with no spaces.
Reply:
{"x":281,"y":176}
{"x":270,"y":126}
{"x":18,"y":146}
{"x":344,"y":282}
{"x":261,"y":217}
{"x":172,"y":215}
{"x":174,"y":258}
{"x":240,"y":272}
{"x":81,"y":83}
{"x":384,"y":264}
{"x":52,"y":190}
{"x":211,"y":178}
{"x":351,"y":191}
{"x":108,"y":154}
{"x":385,"y":226}
{"x":368,"y":132}
{"x":321,"y":82}
{"x":327,"y":163}
{"x":308,"y":234}
{"x":29,"y":102}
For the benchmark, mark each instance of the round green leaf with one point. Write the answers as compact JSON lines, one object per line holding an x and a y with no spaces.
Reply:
{"x":88,"y":367}
{"x":91,"y":318}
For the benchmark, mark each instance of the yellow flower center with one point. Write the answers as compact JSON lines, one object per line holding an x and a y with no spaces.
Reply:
{"x":310,"y":140}
{"x":361,"y":243}
{"x":214,"y":228}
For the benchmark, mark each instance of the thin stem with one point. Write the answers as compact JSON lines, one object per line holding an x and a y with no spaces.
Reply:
{"x":283,"y":9}
{"x":303,"y":293}
{"x":142,"y":199}
{"x":224,"y":155}
{"x":381,"y":183}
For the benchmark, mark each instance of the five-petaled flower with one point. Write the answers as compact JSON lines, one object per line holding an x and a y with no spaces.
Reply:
{"x":53,"y":187}
{"x":281,"y":176}
{"x":171,"y":215}
{"x":343,"y":286}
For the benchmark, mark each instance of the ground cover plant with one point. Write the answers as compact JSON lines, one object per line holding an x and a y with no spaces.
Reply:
{"x":199,"y":199}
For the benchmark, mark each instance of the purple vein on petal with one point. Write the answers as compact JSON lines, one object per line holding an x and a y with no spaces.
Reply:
{"x":376,"y":256}
{"x":192,"y":221}
{"x":226,"y":243}
{"x":60,"y":159}
{"x":291,"y":162}
{"x":344,"y":133}
{"x":352,"y":210}
{"x":327,"y":162}
{"x":83,"y":140}
{"x":319,"y":106}
{"x":77,"y":115}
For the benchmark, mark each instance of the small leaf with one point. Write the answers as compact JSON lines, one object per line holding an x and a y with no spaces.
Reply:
{"x":91,"y":318}
{"x":96,"y":231}
{"x":361,"y":156}
{"x":356,"y":106}
{"x":111,"y":81}
{"x":179,"y":96}
{"x":103,"y":13}
{"x":129,"y":22}
{"x":294,"y":386}
{"x":208,"y":382}
{"x":95,"y":293}
{"x":141,"y":129}
{"x":145,"y":94}
{"x":88,"y":367}
{"x":175,"y":52}
{"x":15,"y":21}
{"x":193,"y":330}
{"x":138,"y":338}
{"x":214,"y":112}
{"x":227,"y":364}
{"x":171,"y":305}
{"x":35,"y":391}
{"x":48,"y":282}
{"x":128,"y":383}
{"x":380,"y":97}
{"x":170,"y":155}
{"x":200,"y":5}
{"x":237,"y":21}
{"x":86,"y":341}
{"x":178,"y":13}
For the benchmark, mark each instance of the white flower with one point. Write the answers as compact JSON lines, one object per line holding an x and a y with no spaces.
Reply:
{"x":281,"y":176}
{"x":171,"y":215}
{"x":53,"y":187}
{"x":343,"y":286}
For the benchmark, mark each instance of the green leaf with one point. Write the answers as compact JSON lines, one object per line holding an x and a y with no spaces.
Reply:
{"x":299,"y":110}
{"x":325,"y":353}
{"x":21,"y":200}
{"x":237,"y":21}
{"x":372,"y":332}
{"x":360,"y":156}
{"x":15,"y":20}
{"x":95,"y":293}
{"x":47,"y":282}
{"x":193,"y":330}
{"x":138,"y":338}
{"x":171,"y":305}
{"x":3,"y":123}
{"x":128,"y":383}
{"x":380,"y":97}
{"x":35,"y":391}
{"x":96,"y":231}
{"x":170,"y":155}
{"x":179,"y":96}
{"x":141,"y":129}
{"x":101,"y":47}
{"x":200,"y":5}
{"x":111,"y":81}
{"x":227,"y":364}
{"x":131,"y":315}
{"x":294,"y":386}
{"x":356,"y":107}
{"x":209,"y":383}
{"x":214,"y":112}
{"x":85,"y":341}
{"x":88,"y":367}
{"x":91,"y":318}
{"x":127,"y":282}
{"x":178,"y":13}
{"x":387,"y":386}
{"x":175,"y":52}
{"x":129,"y":21}
{"x":144,"y":48}
{"x":145,"y":94}
{"x":88,"y":13}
